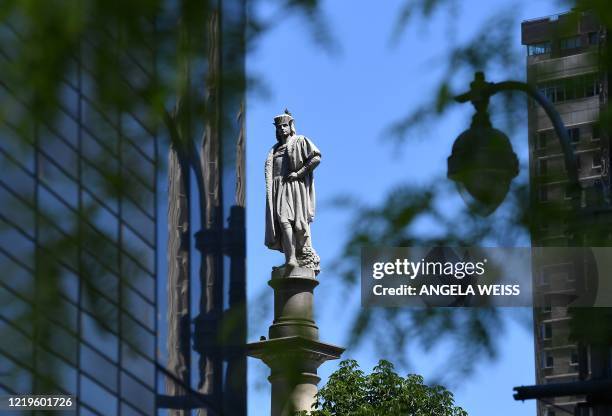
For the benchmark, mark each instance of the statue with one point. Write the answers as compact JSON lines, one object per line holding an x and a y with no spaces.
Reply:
{"x":290,"y":195}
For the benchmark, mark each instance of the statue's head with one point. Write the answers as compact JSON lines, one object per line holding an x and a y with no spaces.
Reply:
{"x":285,"y":125}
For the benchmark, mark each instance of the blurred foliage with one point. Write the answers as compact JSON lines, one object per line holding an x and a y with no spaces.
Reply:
{"x":473,"y":332}
{"x":122,"y":74}
{"x":350,"y":392}
{"x":149,"y":59}
{"x":491,"y":48}
{"x":398,"y":220}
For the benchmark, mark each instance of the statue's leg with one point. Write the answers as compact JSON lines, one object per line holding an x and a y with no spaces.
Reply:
{"x":289,"y":245}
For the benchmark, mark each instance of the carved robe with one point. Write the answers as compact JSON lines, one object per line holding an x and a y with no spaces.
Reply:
{"x":290,"y":201}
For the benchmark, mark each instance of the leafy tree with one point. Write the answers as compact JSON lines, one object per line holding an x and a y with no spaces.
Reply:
{"x":350,"y":392}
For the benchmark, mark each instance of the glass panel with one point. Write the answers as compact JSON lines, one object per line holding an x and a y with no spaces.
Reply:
{"x":138,"y":307}
{"x":138,"y":249}
{"x":15,"y":211}
{"x":98,"y":185}
{"x":62,"y":342}
{"x":570,"y":43}
{"x":11,"y":337}
{"x":57,"y":178}
{"x":102,"y":308}
{"x":138,"y":280}
{"x":102,"y":126}
{"x":137,"y":135}
{"x":538,"y":48}
{"x":138,"y":336}
{"x":137,"y":395}
{"x":127,"y":410}
{"x":59,"y":148}
{"x":143,"y":224}
{"x":97,"y":397}
{"x":100,"y":217}
{"x":13,"y":308}
{"x":137,"y":164}
{"x":104,"y":341}
{"x":16,"y":244}
{"x":16,"y":278}
{"x":106,"y":260}
{"x":53,"y":367}
{"x":17,"y":378}
{"x":99,"y":154}
{"x":99,"y":367}
{"x":138,"y":366}
{"x":16,"y":177}
{"x":56,"y":212}
{"x":69,"y":285}
{"x":136,"y":272}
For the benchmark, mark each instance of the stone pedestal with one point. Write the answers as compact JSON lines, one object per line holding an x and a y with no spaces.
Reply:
{"x":293,"y":351}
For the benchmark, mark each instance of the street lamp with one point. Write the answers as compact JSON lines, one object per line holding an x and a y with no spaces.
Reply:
{"x":482,"y":163}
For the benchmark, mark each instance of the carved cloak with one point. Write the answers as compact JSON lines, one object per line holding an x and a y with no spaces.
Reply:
{"x":301,"y":193}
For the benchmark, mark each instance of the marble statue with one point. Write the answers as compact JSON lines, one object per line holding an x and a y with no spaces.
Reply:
{"x":290,"y":195}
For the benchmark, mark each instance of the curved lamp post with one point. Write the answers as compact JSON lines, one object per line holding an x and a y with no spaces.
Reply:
{"x":482,"y":163}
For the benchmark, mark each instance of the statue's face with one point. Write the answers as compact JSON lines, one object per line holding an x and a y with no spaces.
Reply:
{"x":283,"y":130}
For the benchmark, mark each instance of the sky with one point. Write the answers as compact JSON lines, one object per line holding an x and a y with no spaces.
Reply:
{"x":344,"y":100}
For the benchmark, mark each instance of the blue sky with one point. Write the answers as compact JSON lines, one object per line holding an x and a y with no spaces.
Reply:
{"x":343,"y":101}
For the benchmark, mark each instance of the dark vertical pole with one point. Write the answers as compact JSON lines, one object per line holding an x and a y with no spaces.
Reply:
{"x":235,"y":321}
{"x":235,"y":393}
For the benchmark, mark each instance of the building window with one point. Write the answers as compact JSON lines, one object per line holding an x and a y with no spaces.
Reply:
{"x":570,"y":88}
{"x":546,"y":309}
{"x":542,"y":166}
{"x":574,"y":357}
{"x":546,"y":330}
{"x":570,"y":43}
{"x":596,"y":163}
{"x":591,"y":86}
{"x":574,"y":134}
{"x":544,"y":280}
{"x":541,"y":139}
{"x":543,"y":194}
{"x":596,"y":134}
{"x":550,"y":412}
{"x":570,"y":274}
{"x":547,"y":360}
{"x":593,"y":38}
{"x":538,"y":48}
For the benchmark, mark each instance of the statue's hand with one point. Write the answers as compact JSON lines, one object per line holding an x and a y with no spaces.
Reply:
{"x":291,"y":177}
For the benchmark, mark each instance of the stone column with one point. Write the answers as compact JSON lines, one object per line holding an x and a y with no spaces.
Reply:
{"x":293,"y":351}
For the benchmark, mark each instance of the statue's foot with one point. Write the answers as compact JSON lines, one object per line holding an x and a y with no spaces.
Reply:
{"x":291,"y":264}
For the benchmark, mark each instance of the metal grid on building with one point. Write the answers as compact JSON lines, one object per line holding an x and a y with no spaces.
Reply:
{"x":59,"y":201}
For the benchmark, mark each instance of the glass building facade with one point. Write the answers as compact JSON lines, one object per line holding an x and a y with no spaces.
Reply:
{"x":98,"y":300}
{"x":78,"y":207}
